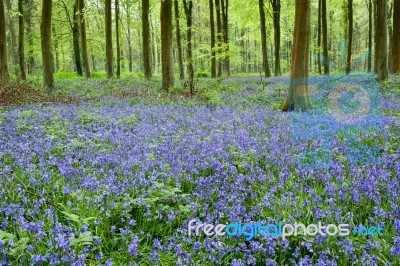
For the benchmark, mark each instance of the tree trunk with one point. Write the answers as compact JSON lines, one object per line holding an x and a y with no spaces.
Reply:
{"x":370,"y":36}
{"x":129,"y":35}
{"x":212,"y":26}
{"x":45,"y":31}
{"x":166,"y":44}
{"x":267,"y":72}
{"x":381,"y":52}
{"x":219,"y":36}
{"x":225,"y":27}
{"x":396,"y":37}
{"x":390,"y":40}
{"x":178,"y":41}
{"x":276,"y":7}
{"x":146,"y":38}
{"x":109,"y":48}
{"x":29,"y":31}
{"x":117,"y":38}
{"x":325,"y":60}
{"x":21,"y":39}
{"x":13,"y":48}
{"x":188,"y":6}
{"x":350,"y":35}
{"x":82,"y":30}
{"x":4,"y":75}
{"x":298,"y":98}
{"x":319,"y":36}
{"x":75,"y":38}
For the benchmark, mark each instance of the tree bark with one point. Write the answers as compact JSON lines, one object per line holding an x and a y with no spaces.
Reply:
{"x":396,"y":37}
{"x":21,"y":39}
{"x":166,"y":44}
{"x":178,"y":40}
{"x":82,"y":30}
{"x":350,"y":35}
{"x":146,"y":38}
{"x":47,"y":58}
{"x":4,"y":75}
{"x":219,"y":36}
{"x":75,"y":37}
{"x":325,"y":60}
{"x":390,"y":39}
{"x":212,"y":26}
{"x":109,"y":48}
{"x":298,"y":98}
{"x":117,"y":38}
{"x":381,"y":52}
{"x":14,"y":46}
{"x":29,"y":31}
{"x":266,"y":70}
{"x":188,"y":7}
{"x":225,"y":28}
{"x":276,"y":7}
{"x":370,"y":36}
{"x":319,"y":36}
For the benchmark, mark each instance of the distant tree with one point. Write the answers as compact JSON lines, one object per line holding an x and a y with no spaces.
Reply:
{"x":188,"y":7}
{"x":381,"y":51}
{"x":178,"y":40}
{"x":166,"y":44}
{"x":325,"y":37}
{"x":396,"y":37}
{"x":298,"y":98}
{"x":117,"y":34}
{"x":47,"y":58}
{"x":4,"y":75}
{"x":82,"y":31}
{"x":349,"y":35}
{"x":276,"y":8}
{"x":146,"y":38}
{"x":109,"y":46}
{"x":21,"y":39}
{"x":266,"y":70}
{"x":212,"y":32}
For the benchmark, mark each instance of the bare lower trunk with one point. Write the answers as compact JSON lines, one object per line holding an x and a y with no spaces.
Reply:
{"x":47,"y":58}
{"x":82,"y":28}
{"x":396,"y":37}
{"x":146,"y":38}
{"x":109,"y":48}
{"x":178,"y":40}
{"x":267,"y":72}
{"x":4,"y":76}
{"x":212,"y":26}
{"x":117,"y":38}
{"x":166,"y":44}
{"x":381,"y":52}
{"x":350,"y":35}
{"x":21,"y":39}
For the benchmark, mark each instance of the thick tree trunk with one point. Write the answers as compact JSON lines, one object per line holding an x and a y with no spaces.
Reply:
{"x":82,"y":30}
{"x":396,"y":37}
{"x":178,"y":40}
{"x":298,"y":98}
{"x":276,"y":7}
{"x":47,"y":58}
{"x":350,"y":35}
{"x":381,"y":52}
{"x":109,"y":46}
{"x":370,"y":36}
{"x":166,"y":44}
{"x":267,"y":72}
{"x":146,"y":38}
{"x":188,"y":6}
{"x":117,"y":38}
{"x":212,"y":26}
{"x":4,"y":75}
{"x":21,"y":39}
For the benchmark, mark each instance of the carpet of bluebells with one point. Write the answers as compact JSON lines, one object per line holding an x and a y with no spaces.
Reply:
{"x":115,"y":182}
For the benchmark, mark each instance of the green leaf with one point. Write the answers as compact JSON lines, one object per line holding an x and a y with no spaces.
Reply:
{"x":83,"y":239}
{"x":6,"y":236}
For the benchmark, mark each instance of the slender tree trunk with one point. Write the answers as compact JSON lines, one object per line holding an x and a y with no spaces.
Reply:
{"x":29,"y":31}
{"x":375,"y":37}
{"x":75,"y":38}
{"x":267,"y":72}
{"x":188,"y":6}
{"x":166,"y":44}
{"x":82,"y":30}
{"x":382,"y":53}
{"x":225,"y":27}
{"x":299,"y":91}
{"x":325,"y":37}
{"x":370,"y":36}
{"x":146,"y":38}
{"x":276,"y":7}
{"x":129,"y":37}
{"x":219,"y":36}
{"x":56,"y":67}
{"x":4,"y":75}
{"x":319,"y":36}
{"x":178,"y":40}
{"x":21,"y":39}
{"x":109,"y":48}
{"x":117,"y":38}
{"x":212,"y":26}
{"x":47,"y":58}
{"x":350,"y":35}
{"x":396,"y":37}
{"x":390,"y":32}
{"x":14,"y":46}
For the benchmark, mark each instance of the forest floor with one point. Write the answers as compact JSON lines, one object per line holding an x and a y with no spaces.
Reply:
{"x":109,"y":171}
